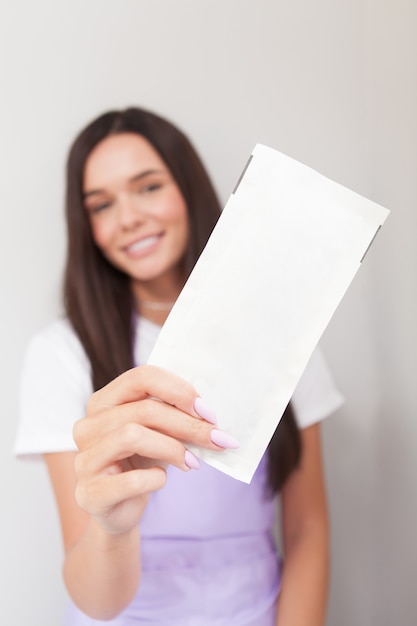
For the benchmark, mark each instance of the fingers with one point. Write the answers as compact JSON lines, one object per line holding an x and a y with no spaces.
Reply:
{"x":157,"y":399}
{"x":114,"y":480}
{"x":136,"y":425}
{"x":150,"y":413}
{"x":116,"y":475}
{"x":143,"y":382}
{"x":124,"y":487}
{"x":117,"y":501}
{"x":125,"y":442}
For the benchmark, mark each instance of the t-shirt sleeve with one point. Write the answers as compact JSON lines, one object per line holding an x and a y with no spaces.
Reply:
{"x":316,"y":395}
{"x":54,"y":388}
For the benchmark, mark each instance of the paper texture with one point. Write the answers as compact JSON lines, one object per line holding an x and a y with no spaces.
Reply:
{"x":280,"y":259}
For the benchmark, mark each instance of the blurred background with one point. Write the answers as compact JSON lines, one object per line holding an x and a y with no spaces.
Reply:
{"x":332,"y":83}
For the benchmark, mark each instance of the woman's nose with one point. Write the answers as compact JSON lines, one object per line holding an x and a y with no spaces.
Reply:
{"x":129,"y":212}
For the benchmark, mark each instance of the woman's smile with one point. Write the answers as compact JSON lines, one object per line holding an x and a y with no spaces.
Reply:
{"x":143,"y":246}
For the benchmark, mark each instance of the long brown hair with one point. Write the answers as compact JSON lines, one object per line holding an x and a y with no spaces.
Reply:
{"x":97,"y":296}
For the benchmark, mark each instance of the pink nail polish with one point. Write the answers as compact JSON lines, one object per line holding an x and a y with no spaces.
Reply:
{"x":191,"y":461}
{"x":204,"y":411}
{"x":223,"y":440}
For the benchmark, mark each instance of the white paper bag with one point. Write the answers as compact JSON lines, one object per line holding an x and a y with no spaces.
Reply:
{"x":279,"y":261}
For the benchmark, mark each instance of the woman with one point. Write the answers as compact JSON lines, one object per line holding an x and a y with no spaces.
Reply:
{"x":146,"y":539}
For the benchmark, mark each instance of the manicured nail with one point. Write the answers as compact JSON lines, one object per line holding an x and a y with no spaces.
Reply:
{"x":191,"y":461}
{"x":204,"y":411}
{"x":223,"y":440}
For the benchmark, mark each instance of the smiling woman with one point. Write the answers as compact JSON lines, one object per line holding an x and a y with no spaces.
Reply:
{"x":98,"y":295}
{"x":138,"y":215}
{"x":140,"y":208}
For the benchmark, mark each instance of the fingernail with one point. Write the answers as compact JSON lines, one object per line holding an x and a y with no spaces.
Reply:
{"x":204,"y":411}
{"x":191,"y":461}
{"x":222,"y":439}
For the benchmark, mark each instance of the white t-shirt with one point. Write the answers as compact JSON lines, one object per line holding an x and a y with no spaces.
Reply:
{"x":56,"y":384}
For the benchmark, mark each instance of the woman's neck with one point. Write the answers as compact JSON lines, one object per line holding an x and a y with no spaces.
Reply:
{"x":155,"y":301}
{"x":155,"y":311}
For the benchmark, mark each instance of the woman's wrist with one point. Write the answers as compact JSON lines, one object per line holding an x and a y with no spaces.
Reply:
{"x":108,"y":541}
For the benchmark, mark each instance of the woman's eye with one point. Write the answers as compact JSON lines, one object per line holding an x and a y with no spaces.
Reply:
{"x":99,"y":207}
{"x":151,"y":187}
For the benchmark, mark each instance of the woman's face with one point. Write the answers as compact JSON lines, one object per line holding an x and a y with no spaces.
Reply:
{"x":138,"y":215}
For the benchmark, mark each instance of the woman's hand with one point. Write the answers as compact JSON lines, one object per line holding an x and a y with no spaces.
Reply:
{"x":135,"y":426}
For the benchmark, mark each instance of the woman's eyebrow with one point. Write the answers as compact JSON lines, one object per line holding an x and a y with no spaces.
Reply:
{"x":145,"y":174}
{"x":133,"y":179}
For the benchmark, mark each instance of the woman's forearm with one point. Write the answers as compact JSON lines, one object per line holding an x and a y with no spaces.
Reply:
{"x":102,"y":571}
{"x":303,"y":597}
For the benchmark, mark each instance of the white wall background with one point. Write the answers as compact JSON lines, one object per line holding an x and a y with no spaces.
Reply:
{"x":334,"y":84}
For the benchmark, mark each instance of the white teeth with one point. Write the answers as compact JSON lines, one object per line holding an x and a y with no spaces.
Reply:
{"x":143,"y":243}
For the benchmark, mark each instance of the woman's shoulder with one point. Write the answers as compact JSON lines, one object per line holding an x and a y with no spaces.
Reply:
{"x":59,"y":338}
{"x":55,"y":354}
{"x":55,"y":385}
{"x":60,"y":329}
